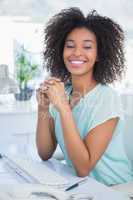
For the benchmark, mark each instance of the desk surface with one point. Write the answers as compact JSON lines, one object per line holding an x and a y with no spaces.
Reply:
{"x":91,"y":187}
{"x":8,"y":105}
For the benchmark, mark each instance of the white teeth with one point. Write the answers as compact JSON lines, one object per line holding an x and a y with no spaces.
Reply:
{"x":77,"y":62}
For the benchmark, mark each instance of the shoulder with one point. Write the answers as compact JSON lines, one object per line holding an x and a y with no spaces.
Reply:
{"x":109,"y":99}
{"x":107,"y":105}
{"x":110,"y":94}
{"x":105,"y":98}
{"x":107,"y":92}
{"x":102,"y":93}
{"x":108,"y":89}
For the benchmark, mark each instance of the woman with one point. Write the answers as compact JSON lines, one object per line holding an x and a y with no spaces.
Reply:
{"x":77,"y":108}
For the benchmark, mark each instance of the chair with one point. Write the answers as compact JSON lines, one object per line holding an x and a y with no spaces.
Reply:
{"x":127,"y":188}
{"x":128,"y":138}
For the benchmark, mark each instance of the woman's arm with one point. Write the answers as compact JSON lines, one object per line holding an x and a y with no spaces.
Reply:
{"x":45,"y":136}
{"x":83,"y":154}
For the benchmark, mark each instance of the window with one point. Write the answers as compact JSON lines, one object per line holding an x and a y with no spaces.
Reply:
{"x":13,"y":35}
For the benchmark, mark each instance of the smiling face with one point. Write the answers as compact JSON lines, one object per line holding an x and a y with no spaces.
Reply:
{"x":80,"y":51}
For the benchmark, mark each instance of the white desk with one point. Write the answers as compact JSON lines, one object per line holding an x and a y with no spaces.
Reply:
{"x":17,"y":123}
{"x":18,"y":126}
{"x":93,"y":188}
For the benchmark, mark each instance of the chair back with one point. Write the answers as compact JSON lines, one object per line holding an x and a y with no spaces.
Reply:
{"x":128,"y":137}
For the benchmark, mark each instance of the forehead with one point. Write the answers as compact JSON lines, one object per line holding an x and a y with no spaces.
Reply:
{"x":81,"y":34}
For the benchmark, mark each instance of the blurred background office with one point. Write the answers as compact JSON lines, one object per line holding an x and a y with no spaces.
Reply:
{"x":21,"y":44}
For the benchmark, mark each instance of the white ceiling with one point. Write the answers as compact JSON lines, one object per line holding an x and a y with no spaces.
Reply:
{"x":41,"y":10}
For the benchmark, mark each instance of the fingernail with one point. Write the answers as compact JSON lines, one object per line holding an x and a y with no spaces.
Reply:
{"x":44,"y":88}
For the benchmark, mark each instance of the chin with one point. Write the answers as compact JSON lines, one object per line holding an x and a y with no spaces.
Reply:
{"x":77,"y":71}
{"x":78,"y":74}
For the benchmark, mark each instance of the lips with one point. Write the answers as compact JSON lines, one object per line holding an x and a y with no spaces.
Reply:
{"x":76,"y":63}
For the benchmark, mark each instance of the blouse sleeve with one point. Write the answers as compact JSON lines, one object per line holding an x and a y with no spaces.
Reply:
{"x":108,"y":107}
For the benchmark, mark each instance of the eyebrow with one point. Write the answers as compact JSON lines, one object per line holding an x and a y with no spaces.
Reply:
{"x":69,"y":40}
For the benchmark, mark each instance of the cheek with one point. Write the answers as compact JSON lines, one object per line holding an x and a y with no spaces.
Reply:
{"x":65,"y":58}
{"x":93,"y":56}
{"x":65,"y":55}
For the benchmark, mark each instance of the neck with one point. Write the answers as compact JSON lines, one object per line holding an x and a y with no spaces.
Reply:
{"x":83,"y":85}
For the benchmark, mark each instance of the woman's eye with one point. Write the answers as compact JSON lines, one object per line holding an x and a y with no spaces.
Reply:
{"x":69,"y":46}
{"x":87,"y":47}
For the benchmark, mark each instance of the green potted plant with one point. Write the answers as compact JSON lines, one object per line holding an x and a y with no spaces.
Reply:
{"x":25,"y":71}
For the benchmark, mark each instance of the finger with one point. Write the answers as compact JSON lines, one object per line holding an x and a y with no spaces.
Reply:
{"x":45,"y":85}
{"x":42,"y":85}
{"x":44,"y":88}
{"x":42,"y":98}
{"x":49,"y":81}
{"x":38,"y":95}
{"x":52,"y":80}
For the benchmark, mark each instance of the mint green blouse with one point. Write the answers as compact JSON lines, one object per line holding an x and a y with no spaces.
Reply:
{"x":97,"y":106}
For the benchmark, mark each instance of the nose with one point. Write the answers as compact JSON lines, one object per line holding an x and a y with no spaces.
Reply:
{"x":77,"y":51}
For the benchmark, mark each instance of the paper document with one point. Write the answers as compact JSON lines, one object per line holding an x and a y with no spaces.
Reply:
{"x":126,"y":188}
{"x":36,"y":172}
{"x":31,"y":191}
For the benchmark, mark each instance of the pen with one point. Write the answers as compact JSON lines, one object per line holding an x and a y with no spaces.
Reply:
{"x":75,"y":185}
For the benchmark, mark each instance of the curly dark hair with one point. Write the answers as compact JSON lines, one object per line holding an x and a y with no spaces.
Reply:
{"x":109,"y":36}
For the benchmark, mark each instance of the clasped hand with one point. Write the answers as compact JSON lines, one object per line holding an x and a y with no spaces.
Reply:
{"x":52,"y":91}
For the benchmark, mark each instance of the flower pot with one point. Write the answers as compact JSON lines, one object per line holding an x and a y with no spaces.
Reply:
{"x":24,"y":94}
